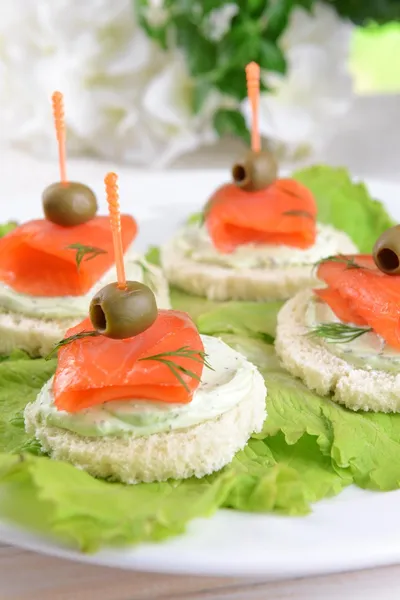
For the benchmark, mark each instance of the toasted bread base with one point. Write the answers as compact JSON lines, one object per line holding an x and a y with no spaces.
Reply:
{"x":35,"y":336}
{"x":196,"y":451}
{"x":216,"y":282}
{"x":310,"y":360}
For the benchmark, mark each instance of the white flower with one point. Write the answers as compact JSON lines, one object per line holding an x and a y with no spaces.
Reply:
{"x":219,"y":21}
{"x":125,"y":99}
{"x":301,"y":112}
{"x":167,"y":102}
{"x":155,"y":13}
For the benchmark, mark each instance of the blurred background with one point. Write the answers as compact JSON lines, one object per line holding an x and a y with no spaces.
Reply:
{"x":161,"y":83}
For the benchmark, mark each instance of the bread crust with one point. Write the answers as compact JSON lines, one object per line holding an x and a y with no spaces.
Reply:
{"x":217,"y":282}
{"x":196,"y":451}
{"x":310,"y":360}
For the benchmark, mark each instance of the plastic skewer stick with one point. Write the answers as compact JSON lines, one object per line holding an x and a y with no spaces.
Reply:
{"x":111,"y":181}
{"x":253,"y":93}
{"x":59,"y":122}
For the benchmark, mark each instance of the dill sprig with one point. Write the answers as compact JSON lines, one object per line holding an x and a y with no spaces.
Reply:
{"x":164,"y":357}
{"x":299,"y":213}
{"x":148,"y":276}
{"x":85,"y":252}
{"x":70,"y":339}
{"x":184,"y":352}
{"x":340,"y":258}
{"x":338,"y":332}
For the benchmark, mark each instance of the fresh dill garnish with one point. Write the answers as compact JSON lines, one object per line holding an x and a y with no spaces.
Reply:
{"x":148,"y":276}
{"x":185,"y":352}
{"x":299,"y":213}
{"x":291,"y":193}
{"x":338,"y":332}
{"x":70,"y":339}
{"x":164,"y":357}
{"x":85,"y":252}
{"x":340,"y":258}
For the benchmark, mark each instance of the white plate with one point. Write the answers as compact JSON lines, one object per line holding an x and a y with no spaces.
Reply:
{"x":354,"y":530}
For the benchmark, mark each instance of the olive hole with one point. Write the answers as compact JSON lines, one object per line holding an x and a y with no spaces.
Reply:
{"x":388,"y":259}
{"x":239,"y":173}
{"x":98,"y":318}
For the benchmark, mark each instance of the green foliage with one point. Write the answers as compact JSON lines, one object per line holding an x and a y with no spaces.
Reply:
{"x":230,"y":122}
{"x":216,"y":60}
{"x":365,"y":11}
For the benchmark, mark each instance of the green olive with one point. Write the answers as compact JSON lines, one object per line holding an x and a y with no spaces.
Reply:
{"x":256,"y":171}
{"x":386,"y":252}
{"x":69,"y":204}
{"x":122,"y":313}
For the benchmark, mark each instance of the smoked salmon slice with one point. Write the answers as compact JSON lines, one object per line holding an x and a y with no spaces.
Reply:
{"x":363,"y":295}
{"x":340,"y":306}
{"x":35,"y":258}
{"x":284,"y":214}
{"x":94,"y":370}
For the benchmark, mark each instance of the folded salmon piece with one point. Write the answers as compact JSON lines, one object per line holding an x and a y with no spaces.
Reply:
{"x":35,"y":258}
{"x":283,"y":213}
{"x":94,"y":370}
{"x":340,"y":306}
{"x":370,"y":296}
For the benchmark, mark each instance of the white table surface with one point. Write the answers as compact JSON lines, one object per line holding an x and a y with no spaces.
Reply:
{"x":368,"y":143}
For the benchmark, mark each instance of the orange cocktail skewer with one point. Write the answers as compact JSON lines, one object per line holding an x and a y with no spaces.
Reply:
{"x":59,"y":123}
{"x":253,"y":93}
{"x":111,"y":181}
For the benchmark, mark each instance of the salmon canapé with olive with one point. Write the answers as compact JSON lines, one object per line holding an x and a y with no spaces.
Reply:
{"x":50,"y":268}
{"x":257,"y":238}
{"x":344,"y":338}
{"x":140,"y":395}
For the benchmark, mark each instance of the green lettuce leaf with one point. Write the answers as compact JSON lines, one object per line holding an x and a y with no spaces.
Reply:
{"x":153,"y":255}
{"x":346,"y":205}
{"x":309,"y":448}
{"x":6,"y":227}
{"x":20,"y":381}
{"x":363,"y":445}
{"x":86,"y":513}
{"x":367,"y":445}
{"x":255,"y":319}
{"x":274,"y":476}
{"x":256,"y":350}
{"x":195,"y":306}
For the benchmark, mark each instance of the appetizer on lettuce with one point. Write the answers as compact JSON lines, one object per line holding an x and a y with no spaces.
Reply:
{"x":344,"y":338}
{"x":49,"y":272}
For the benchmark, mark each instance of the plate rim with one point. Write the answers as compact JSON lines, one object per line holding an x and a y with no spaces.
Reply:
{"x":139,"y":561}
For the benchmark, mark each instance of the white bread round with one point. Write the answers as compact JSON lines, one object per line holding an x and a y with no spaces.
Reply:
{"x":196,"y":451}
{"x":310,"y":360}
{"x":217,"y":282}
{"x":37,"y":336}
